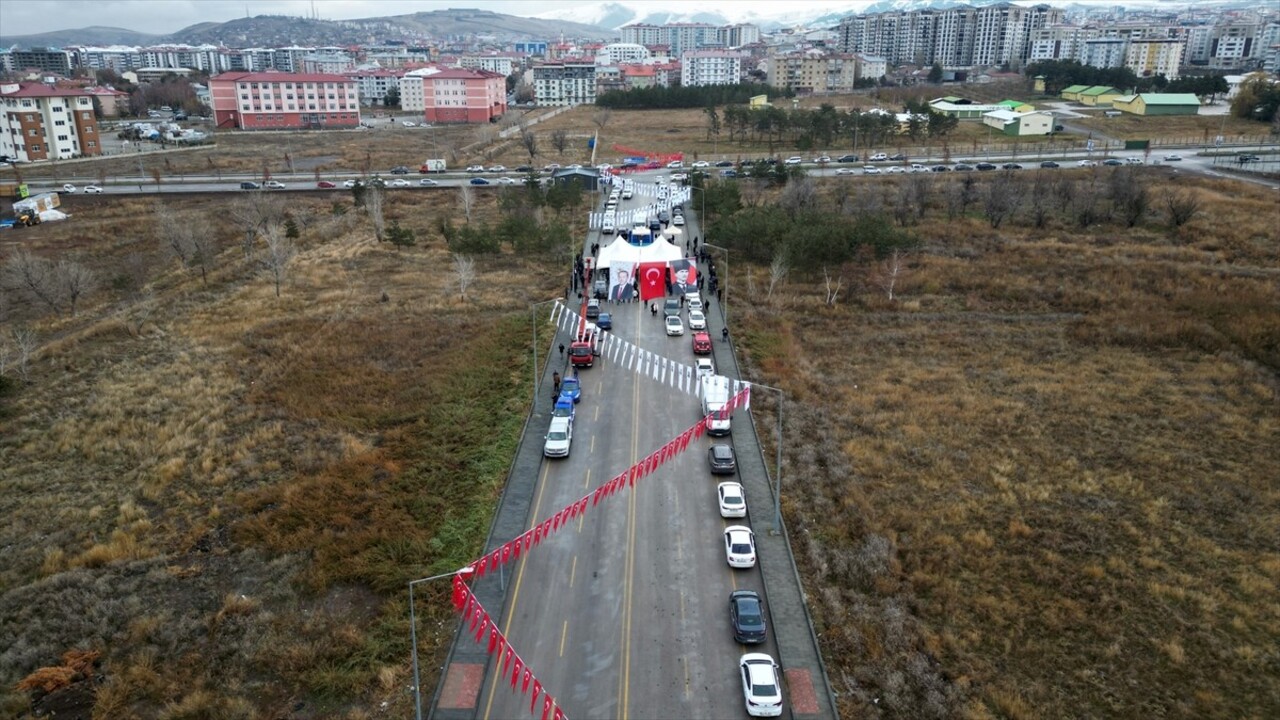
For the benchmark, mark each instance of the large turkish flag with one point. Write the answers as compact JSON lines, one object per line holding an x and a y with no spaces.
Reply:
{"x":652,"y":277}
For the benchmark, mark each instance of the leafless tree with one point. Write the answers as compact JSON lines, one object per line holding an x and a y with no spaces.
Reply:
{"x":601,"y":118}
{"x":467,"y":197}
{"x":1064,"y":188}
{"x":778,"y":270}
{"x":25,"y":343}
{"x":1003,"y":194}
{"x":753,"y":190}
{"x":279,"y":255}
{"x":529,"y":140}
{"x":800,"y":195}
{"x":955,"y":200}
{"x":921,"y":187}
{"x":1182,"y":207}
{"x":465,"y":269}
{"x":560,"y":140}
{"x":33,"y":277}
{"x":75,"y":281}
{"x":887,"y":273}
{"x":253,"y":213}
{"x":155,"y":175}
{"x":1085,"y":205}
{"x":375,"y":208}
{"x":1129,"y":196}
{"x":968,"y":191}
{"x":193,"y":244}
{"x":903,"y":211}
{"x":832,"y":289}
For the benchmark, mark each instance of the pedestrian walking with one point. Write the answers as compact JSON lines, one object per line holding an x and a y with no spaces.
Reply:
{"x":555,"y":383}
{"x":653,"y":309}
{"x":562,"y":350}
{"x":718,"y":294}
{"x":724,"y":334}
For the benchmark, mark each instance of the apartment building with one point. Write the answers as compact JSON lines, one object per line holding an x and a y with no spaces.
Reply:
{"x":327,"y":64}
{"x":1151,"y":57}
{"x":680,"y":38}
{"x":373,"y":83}
{"x":42,"y":122}
{"x":280,"y":101}
{"x":459,"y":95}
{"x":622,"y":54}
{"x":710,"y":67}
{"x":46,"y":60}
{"x":813,"y":72}
{"x":413,"y":96}
{"x":567,"y":82}
{"x":504,"y":65}
{"x":1103,"y":52}
{"x":1231,"y":45}
{"x":957,"y":37}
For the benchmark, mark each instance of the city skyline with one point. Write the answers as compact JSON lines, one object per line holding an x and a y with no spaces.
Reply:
{"x":163,"y":17}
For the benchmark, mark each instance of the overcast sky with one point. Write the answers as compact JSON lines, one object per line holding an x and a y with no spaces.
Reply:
{"x":26,"y":17}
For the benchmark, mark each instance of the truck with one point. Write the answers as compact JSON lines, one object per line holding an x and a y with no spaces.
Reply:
{"x":585,"y":347}
{"x":14,"y":190}
{"x":715,"y":395}
{"x":432,"y":165}
{"x":37,"y":203}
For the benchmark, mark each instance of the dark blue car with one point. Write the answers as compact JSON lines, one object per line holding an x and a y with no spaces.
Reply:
{"x":479,"y":181}
{"x":605,"y":321}
{"x":571,"y":388}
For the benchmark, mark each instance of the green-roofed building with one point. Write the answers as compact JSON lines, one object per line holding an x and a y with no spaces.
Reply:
{"x":1098,"y":96}
{"x":1017,"y":106}
{"x":1158,"y":104}
{"x":1073,"y":93}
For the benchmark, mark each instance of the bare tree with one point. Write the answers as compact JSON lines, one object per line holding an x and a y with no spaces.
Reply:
{"x":530,"y":142}
{"x":888,"y":272}
{"x":955,"y":200}
{"x":920,"y":190}
{"x":832,"y":290}
{"x":465,"y":269}
{"x":374,"y":207}
{"x":33,"y":277}
{"x":1002,"y":197}
{"x":1182,"y":207}
{"x":467,"y":197}
{"x":279,"y":255}
{"x":1038,"y":207}
{"x":799,"y":195}
{"x":778,"y":270}
{"x":601,"y":118}
{"x":193,"y":244}
{"x":1085,"y":205}
{"x":253,"y":213}
{"x":903,"y":211}
{"x":75,"y":281}
{"x":1133,"y":201}
{"x":25,"y":343}
{"x":560,"y":140}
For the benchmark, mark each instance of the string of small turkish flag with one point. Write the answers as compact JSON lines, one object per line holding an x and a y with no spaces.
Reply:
{"x":522,"y":678}
{"x":481,"y":623}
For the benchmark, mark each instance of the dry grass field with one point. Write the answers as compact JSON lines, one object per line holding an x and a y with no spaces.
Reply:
{"x":1040,"y":483}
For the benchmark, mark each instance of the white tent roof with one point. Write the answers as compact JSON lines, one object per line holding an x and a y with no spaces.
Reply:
{"x":621,"y":251}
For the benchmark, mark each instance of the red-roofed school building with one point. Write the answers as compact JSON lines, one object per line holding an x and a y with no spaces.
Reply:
{"x":284,"y":101}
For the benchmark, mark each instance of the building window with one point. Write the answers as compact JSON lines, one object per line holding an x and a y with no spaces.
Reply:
{"x":35,"y":148}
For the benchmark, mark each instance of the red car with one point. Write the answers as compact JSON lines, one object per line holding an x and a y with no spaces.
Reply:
{"x":325,"y":185}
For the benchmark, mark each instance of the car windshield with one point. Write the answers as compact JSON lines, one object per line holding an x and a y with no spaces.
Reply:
{"x":580,"y":351}
{"x":765,"y":690}
{"x":749,"y":614}
{"x":556,"y":435}
{"x":722,"y":452}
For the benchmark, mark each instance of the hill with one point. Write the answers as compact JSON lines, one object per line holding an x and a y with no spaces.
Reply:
{"x":93,"y":35}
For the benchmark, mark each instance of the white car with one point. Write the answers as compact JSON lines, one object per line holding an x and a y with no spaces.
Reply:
{"x":475,"y":168}
{"x":399,"y":182}
{"x":760,"y":686}
{"x":700,"y":164}
{"x":918,"y":168}
{"x":733,"y":503}
{"x":1133,"y":161}
{"x":897,"y":170}
{"x":871,"y":170}
{"x":740,"y":546}
{"x":68,"y":188}
{"x":844,"y":171}
{"x":349,"y":183}
{"x":675,"y":164}
{"x":823,"y":159}
{"x":90,"y":189}
{"x":274,"y":185}
{"x":697,"y":320}
{"x":677,"y":220}
{"x":408,"y":123}
{"x":694,"y":300}
{"x":1087,"y":163}
{"x":704,"y":366}
{"x":674,"y":325}
{"x":878,"y":157}
{"x":559,"y":437}
{"x":793,"y":160}
{"x":427,"y":181}
{"x":498,"y":168}
{"x":1173,"y":158}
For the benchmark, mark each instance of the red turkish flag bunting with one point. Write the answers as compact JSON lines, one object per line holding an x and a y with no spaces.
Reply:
{"x":459,"y":592}
{"x":502,"y":645}
{"x":652,"y":277}
{"x":537,"y":690}
{"x":506,"y":660}
{"x":524,"y":684}
{"x":597,"y":495}
{"x":527,"y":539}
{"x":547,"y":528}
{"x":493,"y":638}
{"x":582,"y":506}
{"x":559,"y":714}
{"x":506,"y":553}
{"x":537,"y":534}
{"x":482,"y":626}
{"x":481,"y":566}
{"x":517,"y":666}
{"x":495,"y":559}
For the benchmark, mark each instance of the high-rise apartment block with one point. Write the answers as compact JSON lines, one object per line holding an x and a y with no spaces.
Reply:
{"x":958,"y":37}
{"x":42,"y":122}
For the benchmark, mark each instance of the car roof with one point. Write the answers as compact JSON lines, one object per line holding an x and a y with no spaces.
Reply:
{"x":730,"y":486}
{"x":559,"y":423}
{"x":733,"y":530}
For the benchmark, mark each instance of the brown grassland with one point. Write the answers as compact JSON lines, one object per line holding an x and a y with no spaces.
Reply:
{"x":1040,"y":483}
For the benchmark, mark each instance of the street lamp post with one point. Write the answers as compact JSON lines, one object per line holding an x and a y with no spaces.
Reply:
{"x":413,"y":635}
{"x":724,"y":304}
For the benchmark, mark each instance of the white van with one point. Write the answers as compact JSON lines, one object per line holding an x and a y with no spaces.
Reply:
{"x":559,"y":436}
{"x":715,"y":393}
{"x":609,"y":227}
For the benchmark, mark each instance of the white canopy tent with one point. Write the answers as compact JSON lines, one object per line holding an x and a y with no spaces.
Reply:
{"x":621,"y":251}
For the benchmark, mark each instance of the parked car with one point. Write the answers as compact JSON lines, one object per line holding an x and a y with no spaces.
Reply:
{"x":697,"y":320}
{"x":1173,"y":158}
{"x":722,"y":460}
{"x":940,"y":168}
{"x":845,"y":171}
{"x":559,"y":437}
{"x":898,"y":157}
{"x":675,"y":164}
{"x":1059,"y":128}
{"x":671,"y":306}
{"x":428,"y":182}
{"x":704,"y":367}
{"x":350,"y":183}
{"x":985,"y":166}
{"x":605,"y":321}
{"x":68,"y":188}
{"x":794,"y":160}
{"x":1242,"y":159}
{"x":878,"y":157}
{"x":740,"y":546}
{"x":498,"y":168}
{"x":508,"y":181}
{"x":700,"y":164}
{"x":549,"y":167}
{"x":1049,"y":164}
{"x":571,"y":388}
{"x":593,"y":309}
{"x":1113,"y":162}
{"x":746,"y":614}
{"x":1086,"y":163}
{"x":732,"y":501}
{"x":728,"y":173}
{"x":400,"y":170}
{"x":524,"y":169}
{"x":870,"y":170}
{"x":963,"y":167}
{"x":1133,"y":161}
{"x":701,"y":343}
{"x":725,"y":163}
{"x":408,"y":123}
{"x":274,"y":185}
{"x":325,"y":185}
{"x":92,"y":189}
{"x":480,"y":181}
{"x":822,"y":159}
{"x":847,"y":158}
{"x":250,"y":186}
{"x":760,"y":685}
{"x":399,"y":182}
{"x":674,"y":325}
{"x":1011,"y":166}
{"x":897,"y":170}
